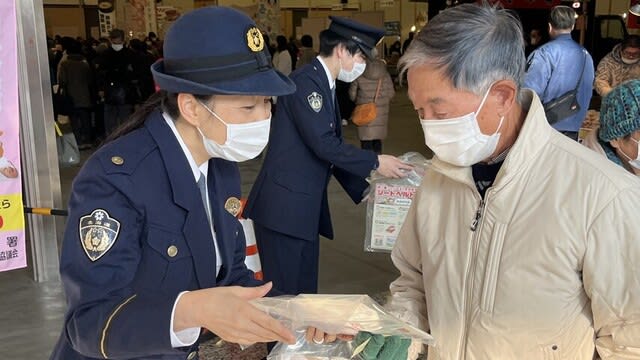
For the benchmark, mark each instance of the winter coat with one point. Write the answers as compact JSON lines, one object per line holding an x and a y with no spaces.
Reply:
{"x":612,"y":71}
{"x":76,"y":78}
{"x":363,"y":90}
{"x":545,"y":266}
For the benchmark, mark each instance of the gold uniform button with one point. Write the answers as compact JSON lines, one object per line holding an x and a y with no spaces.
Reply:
{"x":172,"y":251}
{"x":192,"y":355}
{"x":117,"y":160}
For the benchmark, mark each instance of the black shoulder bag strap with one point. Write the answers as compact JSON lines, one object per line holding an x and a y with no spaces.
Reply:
{"x":584,"y":64}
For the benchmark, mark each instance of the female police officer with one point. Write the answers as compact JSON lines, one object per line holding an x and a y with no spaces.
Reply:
{"x":152,"y":246}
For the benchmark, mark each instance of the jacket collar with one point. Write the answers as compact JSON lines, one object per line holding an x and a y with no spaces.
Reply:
{"x":186,"y":195}
{"x":330,"y":80}
{"x":534,"y":135}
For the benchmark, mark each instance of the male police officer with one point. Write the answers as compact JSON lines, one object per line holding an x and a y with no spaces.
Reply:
{"x":288,"y":202}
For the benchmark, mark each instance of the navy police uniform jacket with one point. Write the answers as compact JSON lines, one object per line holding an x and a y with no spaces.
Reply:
{"x":137,"y":235}
{"x":305,"y":148}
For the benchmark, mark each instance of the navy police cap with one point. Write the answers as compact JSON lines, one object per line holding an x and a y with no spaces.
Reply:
{"x":365,"y":36}
{"x":218,"y":50}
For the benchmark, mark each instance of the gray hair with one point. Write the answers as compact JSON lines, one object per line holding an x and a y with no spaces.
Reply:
{"x":475,"y":46}
{"x":562,"y":18}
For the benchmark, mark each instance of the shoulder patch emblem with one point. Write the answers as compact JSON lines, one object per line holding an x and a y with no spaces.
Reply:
{"x":315,"y":101}
{"x":98,"y":233}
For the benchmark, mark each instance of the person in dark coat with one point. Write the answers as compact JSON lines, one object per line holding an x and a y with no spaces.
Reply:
{"x":153,"y":251}
{"x":115,"y":80}
{"x":75,"y":77}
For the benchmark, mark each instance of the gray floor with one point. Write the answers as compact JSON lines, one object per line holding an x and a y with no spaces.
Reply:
{"x":31,"y":313}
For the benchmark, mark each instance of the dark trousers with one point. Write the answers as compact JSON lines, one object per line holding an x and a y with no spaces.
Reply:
{"x":81,"y":123}
{"x":289,"y":262}
{"x":375,"y":145}
{"x":115,"y":115}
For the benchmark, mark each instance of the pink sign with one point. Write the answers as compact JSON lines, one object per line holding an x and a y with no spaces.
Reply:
{"x":12,"y":243}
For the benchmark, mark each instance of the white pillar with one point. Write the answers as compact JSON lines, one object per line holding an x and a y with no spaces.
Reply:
{"x":40,"y":171}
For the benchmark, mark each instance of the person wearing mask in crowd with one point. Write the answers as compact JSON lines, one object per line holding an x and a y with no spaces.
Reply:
{"x":115,"y":81}
{"x":618,"y":66}
{"x":75,"y":77}
{"x":153,"y":251}
{"x":560,"y":66}
{"x":288,"y":202}
{"x":375,"y":85}
{"x":408,"y":41}
{"x":519,"y":243}
{"x":282,"y":57}
{"x":618,"y":135}
{"x":307,"y":54}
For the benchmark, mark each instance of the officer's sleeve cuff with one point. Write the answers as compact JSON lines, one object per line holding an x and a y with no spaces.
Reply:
{"x":186,"y":337}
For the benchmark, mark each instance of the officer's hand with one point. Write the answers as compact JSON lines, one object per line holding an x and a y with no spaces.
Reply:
{"x":391,"y":167}
{"x":319,"y":337}
{"x":380,"y":347}
{"x":226,"y":312}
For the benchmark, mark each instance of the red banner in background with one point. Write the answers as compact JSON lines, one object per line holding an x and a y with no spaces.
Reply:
{"x":12,"y":242}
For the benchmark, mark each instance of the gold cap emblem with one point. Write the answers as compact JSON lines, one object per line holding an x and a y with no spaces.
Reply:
{"x":255,"y":40}
{"x":117,"y":160}
{"x":233,"y":206}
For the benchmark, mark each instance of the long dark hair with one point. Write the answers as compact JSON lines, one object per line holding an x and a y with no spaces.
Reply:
{"x":161,"y":101}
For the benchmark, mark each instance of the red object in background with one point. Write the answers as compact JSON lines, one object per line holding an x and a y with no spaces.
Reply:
{"x":1,"y":222}
{"x":633,"y":22}
{"x":527,"y":4}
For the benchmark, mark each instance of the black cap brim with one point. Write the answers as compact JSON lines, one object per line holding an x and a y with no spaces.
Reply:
{"x":265,"y":83}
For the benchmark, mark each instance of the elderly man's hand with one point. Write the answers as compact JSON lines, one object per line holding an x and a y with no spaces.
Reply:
{"x":379,"y":347}
{"x":391,"y":167}
{"x":320,"y":337}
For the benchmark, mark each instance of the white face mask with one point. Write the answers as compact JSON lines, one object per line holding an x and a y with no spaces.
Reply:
{"x":459,"y":141}
{"x":349,"y":76}
{"x":628,"y":61}
{"x":244,"y":141}
{"x":117,"y":47}
{"x":634,"y":162}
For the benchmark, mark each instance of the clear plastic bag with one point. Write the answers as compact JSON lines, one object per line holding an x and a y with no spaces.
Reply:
{"x":388,"y":203}
{"x":333,"y":314}
{"x":303,"y":350}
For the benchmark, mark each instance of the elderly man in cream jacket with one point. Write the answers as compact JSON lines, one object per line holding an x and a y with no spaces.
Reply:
{"x":520,"y":243}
